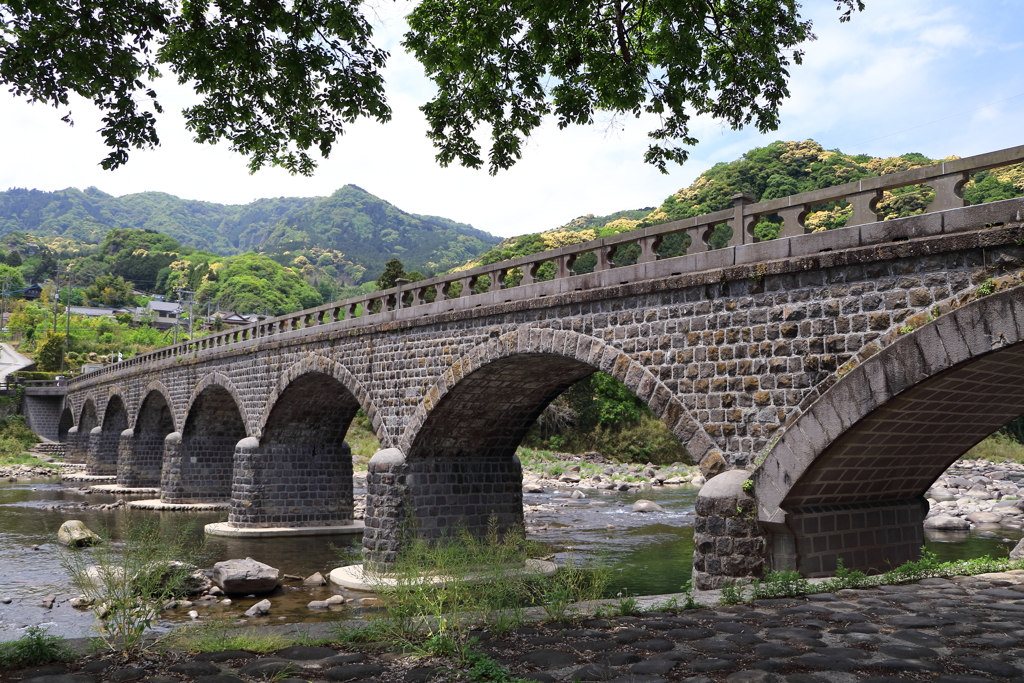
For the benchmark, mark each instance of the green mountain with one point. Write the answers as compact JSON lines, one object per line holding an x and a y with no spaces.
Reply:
{"x":351,"y":231}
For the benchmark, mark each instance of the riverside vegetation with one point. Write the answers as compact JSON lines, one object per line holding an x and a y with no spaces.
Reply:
{"x":486,"y":633}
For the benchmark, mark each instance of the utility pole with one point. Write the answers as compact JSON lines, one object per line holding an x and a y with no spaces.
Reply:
{"x":67,"y":330}
{"x":56,"y":297}
{"x":3,"y":307}
{"x":190,"y":326}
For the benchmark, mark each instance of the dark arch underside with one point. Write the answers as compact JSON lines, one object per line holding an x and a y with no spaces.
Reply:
{"x":897,"y":451}
{"x":141,"y":462}
{"x":199,"y":469}
{"x":488,"y":413}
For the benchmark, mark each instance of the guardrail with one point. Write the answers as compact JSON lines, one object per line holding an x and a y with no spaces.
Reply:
{"x":946,"y":178}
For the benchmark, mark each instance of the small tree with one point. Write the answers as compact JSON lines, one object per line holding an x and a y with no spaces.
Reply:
{"x":393,"y":270}
{"x":110,"y":290}
{"x":50,"y":352}
{"x":128,"y":582}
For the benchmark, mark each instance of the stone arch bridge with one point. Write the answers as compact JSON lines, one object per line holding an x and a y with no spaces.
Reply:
{"x":851,"y":365}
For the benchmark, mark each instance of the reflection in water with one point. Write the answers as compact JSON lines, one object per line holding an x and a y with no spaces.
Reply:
{"x":649,"y":553}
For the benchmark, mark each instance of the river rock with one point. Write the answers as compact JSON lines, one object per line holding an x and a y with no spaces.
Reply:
{"x":947,"y":523}
{"x":1018,"y":551}
{"x":244,"y":576}
{"x":533,"y":488}
{"x":570,"y":477}
{"x":259,"y":609}
{"x":74,"y":534}
{"x":647,"y":506}
{"x":985,"y":517}
{"x":316,"y":579}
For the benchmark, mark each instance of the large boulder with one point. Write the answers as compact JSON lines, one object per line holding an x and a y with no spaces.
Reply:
{"x":947,"y":523}
{"x":244,"y":576}
{"x":642,"y":505}
{"x":1018,"y":551}
{"x":985,"y":517}
{"x":75,"y":534}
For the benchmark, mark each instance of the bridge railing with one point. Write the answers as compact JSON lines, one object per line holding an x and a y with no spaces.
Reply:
{"x":945,"y":178}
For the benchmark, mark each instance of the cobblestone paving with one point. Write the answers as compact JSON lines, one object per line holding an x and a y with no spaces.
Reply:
{"x":964,"y":630}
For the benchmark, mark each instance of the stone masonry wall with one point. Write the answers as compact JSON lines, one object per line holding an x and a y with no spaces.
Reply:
{"x":42,"y":415}
{"x":873,"y":537}
{"x":386,"y":502}
{"x":448,"y":495}
{"x":296,"y":485}
{"x":103,"y":447}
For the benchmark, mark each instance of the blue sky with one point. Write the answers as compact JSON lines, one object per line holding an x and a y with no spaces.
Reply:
{"x":930,"y":76}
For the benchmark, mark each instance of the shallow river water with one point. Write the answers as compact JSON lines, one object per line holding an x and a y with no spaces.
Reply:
{"x":649,"y":553}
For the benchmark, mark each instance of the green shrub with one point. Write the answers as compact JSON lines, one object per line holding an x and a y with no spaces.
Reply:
{"x":36,"y":647}
{"x":780,"y":585}
{"x":128,"y":582}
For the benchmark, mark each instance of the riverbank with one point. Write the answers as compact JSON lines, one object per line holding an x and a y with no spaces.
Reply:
{"x":964,"y":629}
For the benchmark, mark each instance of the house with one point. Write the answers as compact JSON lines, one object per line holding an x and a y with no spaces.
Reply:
{"x":32,"y":292}
{"x":233,"y":319}
{"x":97,"y":312}
{"x":163,"y":314}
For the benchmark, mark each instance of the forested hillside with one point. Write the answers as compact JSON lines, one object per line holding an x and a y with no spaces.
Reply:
{"x":349,"y":235}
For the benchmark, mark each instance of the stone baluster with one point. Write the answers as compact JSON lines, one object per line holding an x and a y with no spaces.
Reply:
{"x":350,"y":312}
{"x":565,"y":264}
{"x":649,"y":248}
{"x":604,"y":257}
{"x":417,"y":296}
{"x":442,"y":291}
{"x":793,"y":220}
{"x":947,"y":192}
{"x":530,"y":272}
{"x":467,"y":286}
{"x":863,"y":204}
{"x":698,"y":243}
{"x":741,"y":223}
{"x":498,"y":279}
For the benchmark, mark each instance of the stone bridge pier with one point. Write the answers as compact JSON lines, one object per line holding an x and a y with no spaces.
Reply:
{"x":457,"y":470}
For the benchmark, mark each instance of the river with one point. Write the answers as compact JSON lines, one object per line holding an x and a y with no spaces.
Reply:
{"x":648,"y":553}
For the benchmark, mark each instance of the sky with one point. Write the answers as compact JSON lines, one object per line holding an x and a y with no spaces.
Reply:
{"x":932,"y":76}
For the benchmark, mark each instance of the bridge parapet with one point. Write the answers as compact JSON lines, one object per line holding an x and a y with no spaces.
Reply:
{"x":863,"y":229}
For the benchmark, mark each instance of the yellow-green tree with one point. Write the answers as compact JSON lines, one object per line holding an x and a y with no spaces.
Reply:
{"x":50,"y":353}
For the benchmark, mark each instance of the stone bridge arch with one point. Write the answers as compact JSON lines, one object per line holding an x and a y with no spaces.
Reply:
{"x":301,"y":447}
{"x":457,"y":453}
{"x":578,"y":351}
{"x":104,"y":439}
{"x":77,"y":449}
{"x":198,"y":460}
{"x":847,"y":478}
{"x":141,"y":449}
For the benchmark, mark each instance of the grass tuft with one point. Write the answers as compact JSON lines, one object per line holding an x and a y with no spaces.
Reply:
{"x":34,"y":648}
